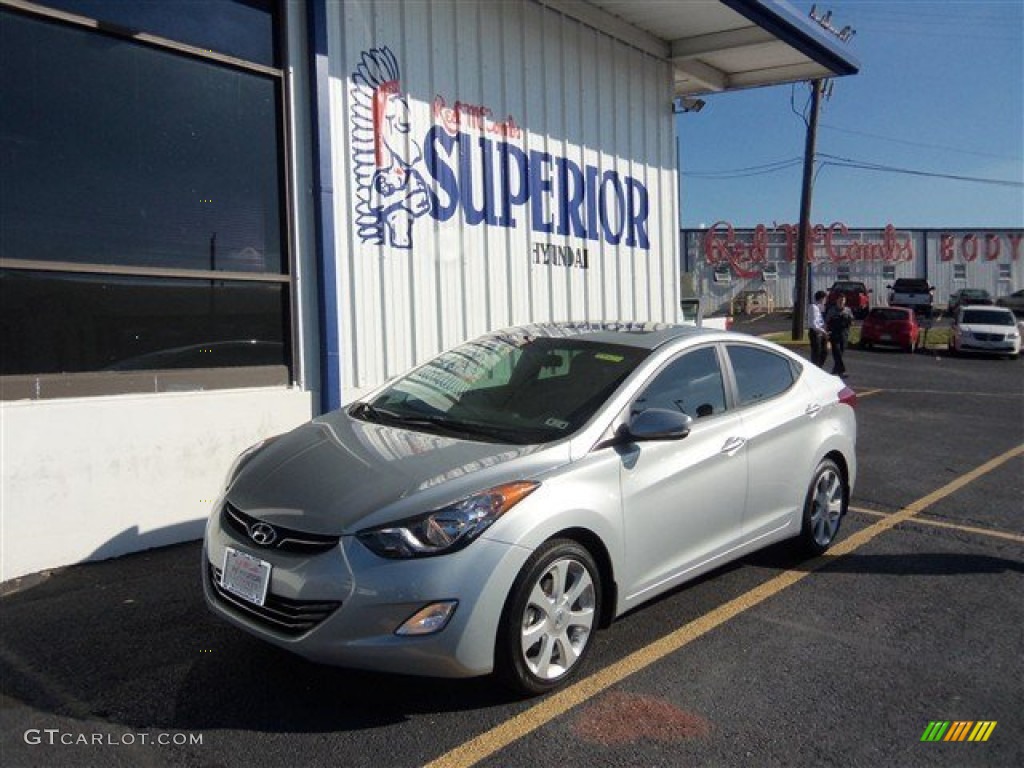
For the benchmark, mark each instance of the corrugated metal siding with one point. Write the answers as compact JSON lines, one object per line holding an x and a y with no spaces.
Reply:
{"x":989,"y":259}
{"x":575,"y":93}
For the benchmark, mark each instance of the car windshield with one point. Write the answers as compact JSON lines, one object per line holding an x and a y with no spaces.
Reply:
{"x":507,"y":388}
{"x":911,"y":285}
{"x":974,"y":294}
{"x":987,"y":317}
{"x":849,"y":287}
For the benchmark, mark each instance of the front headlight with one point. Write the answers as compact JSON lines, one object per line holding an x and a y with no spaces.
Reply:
{"x":447,"y":529}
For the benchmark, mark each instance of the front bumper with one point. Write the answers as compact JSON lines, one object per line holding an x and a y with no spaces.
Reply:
{"x":356,"y":600}
{"x":1001,"y":347}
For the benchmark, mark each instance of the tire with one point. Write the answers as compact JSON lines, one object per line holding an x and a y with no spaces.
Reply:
{"x":824,"y":508}
{"x":549,"y":619}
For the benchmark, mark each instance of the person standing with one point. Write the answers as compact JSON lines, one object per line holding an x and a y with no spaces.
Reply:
{"x":838,"y":320}
{"x":816,"y":330}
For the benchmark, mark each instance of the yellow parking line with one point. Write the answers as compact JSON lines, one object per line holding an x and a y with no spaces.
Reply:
{"x":868,"y":392}
{"x":953,"y":393}
{"x":952,"y":526}
{"x":499,"y":737}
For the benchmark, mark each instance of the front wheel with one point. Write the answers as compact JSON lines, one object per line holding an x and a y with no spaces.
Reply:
{"x":549,"y":618}
{"x":824,"y":508}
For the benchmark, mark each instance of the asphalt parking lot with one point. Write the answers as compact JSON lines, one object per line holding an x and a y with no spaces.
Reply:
{"x":915,"y":617}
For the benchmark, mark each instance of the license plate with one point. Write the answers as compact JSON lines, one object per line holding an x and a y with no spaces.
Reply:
{"x":886,"y":337}
{"x":245,"y":576}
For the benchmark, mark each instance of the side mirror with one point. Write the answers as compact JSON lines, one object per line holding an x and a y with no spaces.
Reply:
{"x":656,"y":424}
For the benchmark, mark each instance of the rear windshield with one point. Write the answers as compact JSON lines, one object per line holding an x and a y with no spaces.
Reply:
{"x":889,"y":314}
{"x":911,"y":285}
{"x":848,"y":287}
{"x":987,"y":317}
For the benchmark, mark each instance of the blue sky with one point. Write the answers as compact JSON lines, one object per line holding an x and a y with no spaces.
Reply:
{"x":940,"y":91}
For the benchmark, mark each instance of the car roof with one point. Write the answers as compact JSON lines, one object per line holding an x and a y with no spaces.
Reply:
{"x":643,"y":335}
{"x":986,"y":308}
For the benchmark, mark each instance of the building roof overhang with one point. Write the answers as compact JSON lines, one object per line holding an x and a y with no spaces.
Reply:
{"x":720,"y":45}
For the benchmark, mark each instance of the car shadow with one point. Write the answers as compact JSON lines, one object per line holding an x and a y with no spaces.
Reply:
{"x":783,"y":557}
{"x":132,"y":642}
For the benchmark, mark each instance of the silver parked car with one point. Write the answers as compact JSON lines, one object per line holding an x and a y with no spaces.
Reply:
{"x":491,"y":509}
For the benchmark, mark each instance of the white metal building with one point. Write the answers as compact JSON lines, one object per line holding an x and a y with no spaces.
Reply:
{"x":721,"y":263}
{"x":218,"y":219}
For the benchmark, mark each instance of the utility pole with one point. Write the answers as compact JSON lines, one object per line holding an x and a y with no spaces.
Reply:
{"x":803,"y":235}
{"x":803,"y":244}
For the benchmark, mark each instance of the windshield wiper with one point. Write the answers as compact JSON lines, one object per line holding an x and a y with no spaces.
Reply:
{"x":434,"y":423}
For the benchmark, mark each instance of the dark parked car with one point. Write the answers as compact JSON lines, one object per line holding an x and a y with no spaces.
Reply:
{"x":896,"y":326}
{"x":1014,"y":301}
{"x":969,"y":297}
{"x":856,"y":293}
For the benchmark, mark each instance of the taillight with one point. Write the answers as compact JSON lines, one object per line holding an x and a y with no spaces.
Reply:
{"x":848,"y":397}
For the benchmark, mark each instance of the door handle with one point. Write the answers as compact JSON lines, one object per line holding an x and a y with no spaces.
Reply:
{"x":812,"y":410}
{"x":733,"y":444}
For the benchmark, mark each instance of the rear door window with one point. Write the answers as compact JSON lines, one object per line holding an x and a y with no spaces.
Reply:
{"x":760,"y":374}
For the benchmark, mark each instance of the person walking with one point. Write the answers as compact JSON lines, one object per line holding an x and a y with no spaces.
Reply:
{"x":816,"y":329}
{"x":838,"y":320}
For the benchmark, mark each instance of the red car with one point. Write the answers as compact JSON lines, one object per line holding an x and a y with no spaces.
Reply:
{"x":894,"y":326}
{"x":856,"y":293}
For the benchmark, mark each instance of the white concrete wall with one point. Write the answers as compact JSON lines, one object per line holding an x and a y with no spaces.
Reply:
{"x":93,"y":478}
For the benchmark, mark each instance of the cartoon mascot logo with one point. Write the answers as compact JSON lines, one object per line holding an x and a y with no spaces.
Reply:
{"x":390,"y":190}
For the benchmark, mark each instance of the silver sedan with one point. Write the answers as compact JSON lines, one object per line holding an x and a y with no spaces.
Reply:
{"x":491,"y":509}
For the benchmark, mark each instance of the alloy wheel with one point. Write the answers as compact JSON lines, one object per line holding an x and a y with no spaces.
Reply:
{"x":826,"y":506}
{"x":558,"y":619}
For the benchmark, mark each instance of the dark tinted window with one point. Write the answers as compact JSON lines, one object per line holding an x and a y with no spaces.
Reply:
{"x":987,"y":317}
{"x":760,"y":374}
{"x":240,"y":28}
{"x":913,"y":285}
{"x":691,"y":384}
{"x":889,"y":315}
{"x":54,"y":322}
{"x":116,"y":153}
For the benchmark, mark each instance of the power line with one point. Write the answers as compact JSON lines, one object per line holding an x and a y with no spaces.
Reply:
{"x":737,"y":173}
{"x":919,"y":143}
{"x":846,"y":162}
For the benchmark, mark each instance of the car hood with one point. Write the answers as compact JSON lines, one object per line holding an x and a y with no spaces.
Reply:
{"x":337,"y":474}
{"x":988,"y":328}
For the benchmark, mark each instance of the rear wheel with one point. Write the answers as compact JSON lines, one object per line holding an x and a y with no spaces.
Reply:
{"x":549,"y":618}
{"x":824,"y":508}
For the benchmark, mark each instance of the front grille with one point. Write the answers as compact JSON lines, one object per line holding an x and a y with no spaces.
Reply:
{"x":289,"y":617}
{"x":990,"y":336}
{"x":288,"y":539}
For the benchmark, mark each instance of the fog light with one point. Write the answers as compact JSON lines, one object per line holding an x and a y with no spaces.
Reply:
{"x":428,"y":620}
